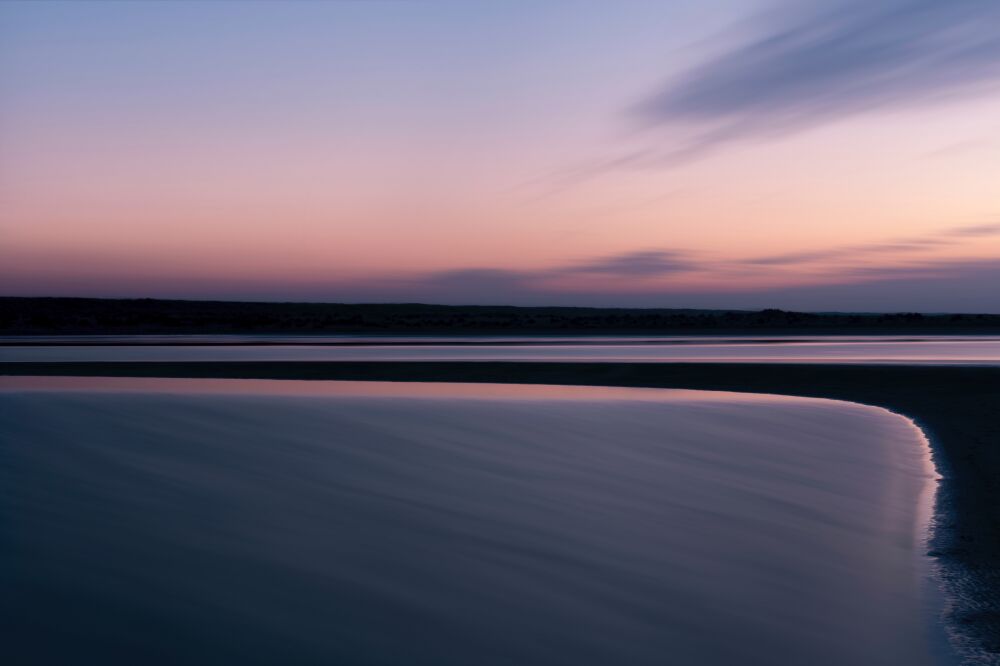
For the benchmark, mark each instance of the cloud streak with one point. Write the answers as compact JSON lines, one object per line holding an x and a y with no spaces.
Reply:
{"x":929,"y":285}
{"x":643,"y":276}
{"x":976,"y":231}
{"x":644,"y":263}
{"x":628,"y":266}
{"x":926,"y":285}
{"x":840,"y":58}
{"x":901,"y":245}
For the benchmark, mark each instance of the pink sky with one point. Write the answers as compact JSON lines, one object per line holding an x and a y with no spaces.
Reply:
{"x":326,"y":151}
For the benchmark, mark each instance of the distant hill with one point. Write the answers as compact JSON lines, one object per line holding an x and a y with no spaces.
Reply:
{"x":53,"y":316}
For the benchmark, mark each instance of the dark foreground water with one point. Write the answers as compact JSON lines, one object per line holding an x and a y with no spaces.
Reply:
{"x":255,"y":522}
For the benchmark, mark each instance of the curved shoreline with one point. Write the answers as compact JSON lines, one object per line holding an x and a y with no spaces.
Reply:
{"x":818,"y":497}
{"x":958,"y":409}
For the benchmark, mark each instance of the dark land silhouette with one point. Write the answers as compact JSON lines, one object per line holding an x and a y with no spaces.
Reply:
{"x":82,"y":316}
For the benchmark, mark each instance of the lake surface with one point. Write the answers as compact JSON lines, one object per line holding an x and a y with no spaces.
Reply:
{"x":967,"y":350}
{"x":148,"y":521}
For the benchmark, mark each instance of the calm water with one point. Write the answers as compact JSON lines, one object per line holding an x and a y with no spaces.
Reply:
{"x":225,"y":521}
{"x":978,"y":350}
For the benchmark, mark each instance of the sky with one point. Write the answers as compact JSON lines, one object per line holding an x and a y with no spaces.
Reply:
{"x":827,"y":155}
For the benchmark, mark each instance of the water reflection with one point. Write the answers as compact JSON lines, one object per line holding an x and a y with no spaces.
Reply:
{"x":792,"y":349}
{"x":230,"y":521}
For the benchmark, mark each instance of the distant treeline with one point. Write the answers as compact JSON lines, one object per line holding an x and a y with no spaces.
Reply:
{"x":134,"y":316}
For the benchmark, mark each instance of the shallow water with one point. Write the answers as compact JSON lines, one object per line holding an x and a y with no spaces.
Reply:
{"x":974,"y":350}
{"x":230,"y":521}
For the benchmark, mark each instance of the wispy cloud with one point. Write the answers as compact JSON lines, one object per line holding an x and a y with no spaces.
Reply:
{"x":848,"y":252}
{"x":901,"y":245}
{"x":640,"y":264}
{"x":834,"y":59}
{"x":917,"y":285}
{"x":654,"y":265}
{"x":976,"y":231}
{"x":932,"y":286}
{"x":644,"y":263}
{"x":910,"y":283}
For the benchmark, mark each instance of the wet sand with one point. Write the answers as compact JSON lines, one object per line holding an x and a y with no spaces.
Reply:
{"x":958,"y":407}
